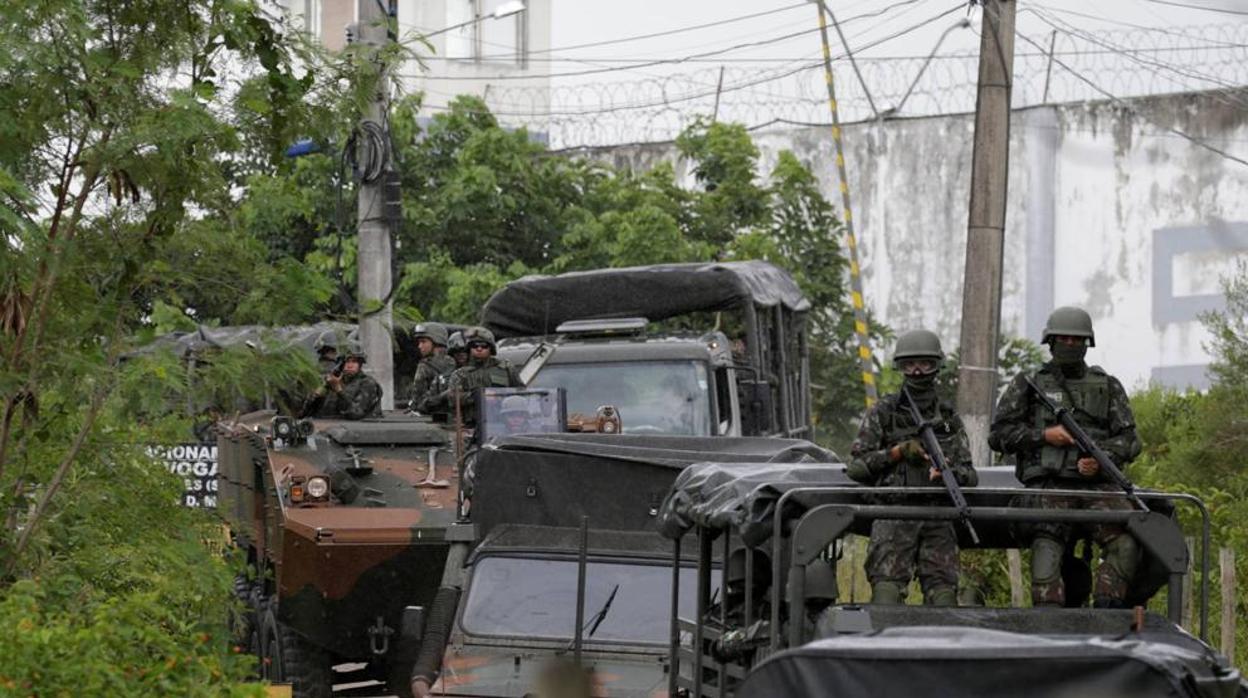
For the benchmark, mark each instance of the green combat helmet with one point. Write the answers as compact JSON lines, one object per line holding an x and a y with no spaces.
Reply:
{"x":514,"y":404}
{"x":1069,"y":321}
{"x":918,"y":344}
{"x":455,"y":343}
{"x":433,"y":331}
{"x":355,"y":351}
{"x":480,"y":334}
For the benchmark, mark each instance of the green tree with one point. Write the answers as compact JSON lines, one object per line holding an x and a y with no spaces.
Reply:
{"x":117,"y":189}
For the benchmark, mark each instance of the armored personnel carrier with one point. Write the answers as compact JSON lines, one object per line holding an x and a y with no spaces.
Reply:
{"x":347,"y":527}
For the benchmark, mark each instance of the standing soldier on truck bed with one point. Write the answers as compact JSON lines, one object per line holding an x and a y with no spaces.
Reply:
{"x":435,"y":366}
{"x":887,"y":452}
{"x":1048,"y":457}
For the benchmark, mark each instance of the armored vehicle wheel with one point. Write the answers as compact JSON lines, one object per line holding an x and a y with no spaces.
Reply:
{"x":245,"y":619}
{"x":285,"y":657}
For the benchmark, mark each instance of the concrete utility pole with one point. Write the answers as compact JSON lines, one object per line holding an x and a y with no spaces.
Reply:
{"x":985,"y":239}
{"x":373,"y":257}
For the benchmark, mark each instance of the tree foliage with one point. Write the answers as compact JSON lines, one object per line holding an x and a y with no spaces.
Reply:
{"x":118,"y":177}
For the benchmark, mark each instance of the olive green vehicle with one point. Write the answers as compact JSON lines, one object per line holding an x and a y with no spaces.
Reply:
{"x":347,"y":527}
{"x":700,"y":349}
{"x":534,"y":620}
{"x":783,"y":628}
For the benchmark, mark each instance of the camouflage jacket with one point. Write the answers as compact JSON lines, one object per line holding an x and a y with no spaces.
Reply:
{"x":492,"y":373}
{"x":432,"y":376}
{"x":890,"y":423}
{"x":360,"y":398}
{"x":1098,"y":403}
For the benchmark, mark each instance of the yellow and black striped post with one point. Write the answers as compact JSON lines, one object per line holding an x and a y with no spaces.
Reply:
{"x":855,"y":277}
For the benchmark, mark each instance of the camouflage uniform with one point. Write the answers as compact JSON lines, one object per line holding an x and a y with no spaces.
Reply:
{"x":898,"y":547}
{"x":491,"y":373}
{"x":1099,"y":404}
{"x":360,"y":397}
{"x":432,"y":374}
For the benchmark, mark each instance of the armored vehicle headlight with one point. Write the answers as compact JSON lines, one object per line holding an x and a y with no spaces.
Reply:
{"x":318,"y":487}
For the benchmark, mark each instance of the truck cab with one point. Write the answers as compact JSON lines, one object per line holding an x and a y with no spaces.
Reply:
{"x":701,"y":349}
{"x":674,"y":384}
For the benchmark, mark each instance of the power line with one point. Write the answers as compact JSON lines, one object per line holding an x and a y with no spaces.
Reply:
{"x":1199,"y":7}
{"x":670,"y":31}
{"x":668,"y":61}
{"x":959,"y":55}
{"x":1161,"y":30}
{"x":733,"y":88}
{"x":1071,"y":30}
{"x":1117,"y":100}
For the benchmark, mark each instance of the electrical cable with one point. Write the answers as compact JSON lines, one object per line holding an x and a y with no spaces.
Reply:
{"x":1199,"y":7}
{"x":669,"y":61}
{"x":1119,"y":101}
{"x":1210,"y":42}
{"x":1226,"y":88}
{"x":371,"y":137}
{"x":732,"y":88}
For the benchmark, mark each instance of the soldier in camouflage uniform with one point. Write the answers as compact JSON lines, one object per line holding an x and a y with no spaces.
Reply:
{"x":435,"y":367}
{"x":1048,"y":458}
{"x":484,"y":370}
{"x":887,"y":452}
{"x":457,"y":349}
{"x":352,"y":395}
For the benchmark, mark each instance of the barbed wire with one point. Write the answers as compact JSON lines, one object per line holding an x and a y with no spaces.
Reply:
{"x":1132,"y":62}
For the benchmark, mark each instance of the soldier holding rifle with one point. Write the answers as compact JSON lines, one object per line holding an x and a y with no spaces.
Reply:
{"x":890,"y":451}
{"x":1070,"y":426}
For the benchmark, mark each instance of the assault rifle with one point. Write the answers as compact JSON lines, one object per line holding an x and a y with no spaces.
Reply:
{"x":1087,"y":445}
{"x":927,"y":437}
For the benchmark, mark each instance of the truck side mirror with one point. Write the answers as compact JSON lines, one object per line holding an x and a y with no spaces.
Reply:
{"x":756,"y":418}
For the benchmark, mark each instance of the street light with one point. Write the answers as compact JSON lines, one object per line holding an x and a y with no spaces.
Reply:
{"x":506,"y":9}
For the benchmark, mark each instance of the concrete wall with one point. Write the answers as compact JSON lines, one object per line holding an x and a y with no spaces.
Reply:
{"x":1108,"y":210}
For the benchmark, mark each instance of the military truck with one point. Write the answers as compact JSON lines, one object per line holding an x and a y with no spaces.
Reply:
{"x":568,"y":533}
{"x":716,"y":349}
{"x":781,"y":627}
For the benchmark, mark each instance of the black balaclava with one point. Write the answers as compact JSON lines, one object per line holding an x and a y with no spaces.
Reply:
{"x":1069,"y":358}
{"x":922,"y":388}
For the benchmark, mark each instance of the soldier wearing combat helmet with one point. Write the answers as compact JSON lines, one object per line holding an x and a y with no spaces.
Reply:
{"x":353,"y":394}
{"x":435,"y":367}
{"x":484,"y":370}
{"x":887,"y":452}
{"x":457,"y":349}
{"x":1049,"y":459}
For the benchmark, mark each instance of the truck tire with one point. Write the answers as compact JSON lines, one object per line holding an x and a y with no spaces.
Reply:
{"x":285,"y":657}
{"x":244,"y":618}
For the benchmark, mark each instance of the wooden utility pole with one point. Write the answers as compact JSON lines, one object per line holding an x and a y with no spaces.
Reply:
{"x":373,"y":260}
{"x":985,"y":238}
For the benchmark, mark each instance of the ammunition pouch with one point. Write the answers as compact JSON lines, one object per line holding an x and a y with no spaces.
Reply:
{"x":1088,"y":399}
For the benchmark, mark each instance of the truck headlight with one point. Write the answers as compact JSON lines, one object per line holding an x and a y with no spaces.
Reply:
{"x":317,"y":487}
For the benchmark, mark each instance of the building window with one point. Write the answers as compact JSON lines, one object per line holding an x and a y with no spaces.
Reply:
{"x":488,"y":40}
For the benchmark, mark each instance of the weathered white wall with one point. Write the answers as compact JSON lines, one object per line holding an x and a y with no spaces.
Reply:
{"x":1107,"y":210}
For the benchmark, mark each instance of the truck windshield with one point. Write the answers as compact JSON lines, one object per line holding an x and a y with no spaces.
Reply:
{"x":536,"y":598}
{"x":653,"y":397}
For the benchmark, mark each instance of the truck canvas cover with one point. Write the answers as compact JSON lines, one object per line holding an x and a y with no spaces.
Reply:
{"x":536,"y":305}
{"x":742,"y":496}
{"x":937,"y":661}
{"x":204,"y":338}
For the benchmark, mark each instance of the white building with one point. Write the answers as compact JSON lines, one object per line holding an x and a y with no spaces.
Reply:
{"x":470,"y":52}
